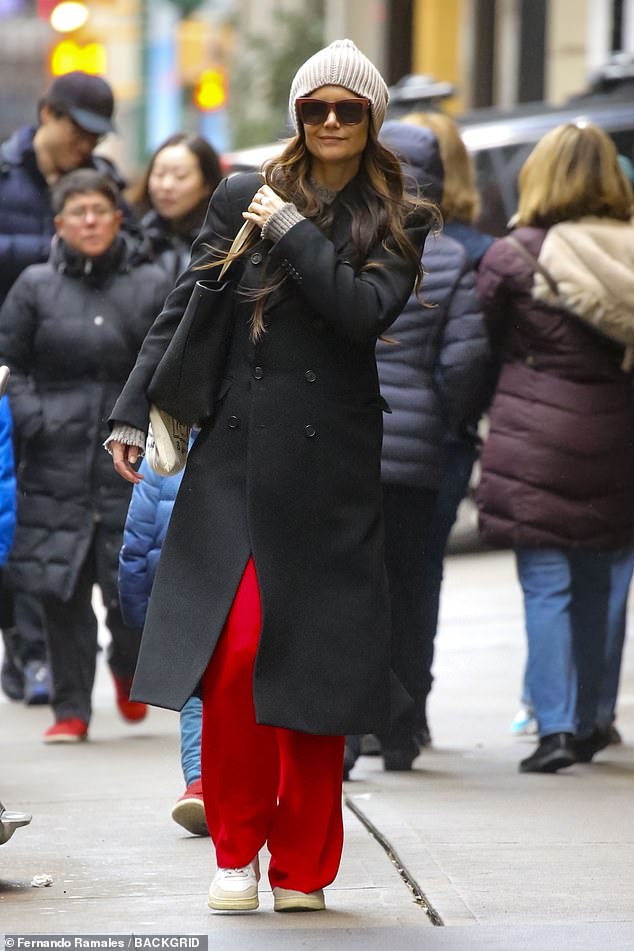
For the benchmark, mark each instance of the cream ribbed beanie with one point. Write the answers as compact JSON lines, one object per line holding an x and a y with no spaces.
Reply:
{"x":341,"y":64}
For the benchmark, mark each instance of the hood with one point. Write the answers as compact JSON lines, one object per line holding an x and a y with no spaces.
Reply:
{"x":418,"y":150}
{"x":592,"y":264}
{"x":93,"y":270}
{"x":12,"y":152}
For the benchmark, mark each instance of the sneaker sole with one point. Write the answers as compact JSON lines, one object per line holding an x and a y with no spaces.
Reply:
{"x":190,"y":814}
{"x":234,"y":904}
{"x":65,"y":739}
{"x":299,"y":903}
{"x":552,"y":766}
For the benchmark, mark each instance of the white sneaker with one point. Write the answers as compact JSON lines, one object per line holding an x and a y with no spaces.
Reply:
{"x":287,"y":899}
{"x":235,"y":889}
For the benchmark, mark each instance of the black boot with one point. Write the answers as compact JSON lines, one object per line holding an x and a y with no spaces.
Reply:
{"x":586,"y":747}
{"x":554,"y":752}
{"x":351,"y":753}
{"x":399,"y":760}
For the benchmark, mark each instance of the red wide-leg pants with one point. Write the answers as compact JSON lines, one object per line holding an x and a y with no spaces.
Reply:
{"x":264,"y":784}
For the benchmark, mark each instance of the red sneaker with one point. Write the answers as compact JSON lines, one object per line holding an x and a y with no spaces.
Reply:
{"x":130,"y":710}
{"x":189,"y":810}
{"x":72,"y":730}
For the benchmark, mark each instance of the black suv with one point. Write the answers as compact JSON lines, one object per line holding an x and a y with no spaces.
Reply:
{"x":500,"y":142}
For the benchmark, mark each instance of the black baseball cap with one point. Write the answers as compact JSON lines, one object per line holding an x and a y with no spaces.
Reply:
{"x":87,"y":99}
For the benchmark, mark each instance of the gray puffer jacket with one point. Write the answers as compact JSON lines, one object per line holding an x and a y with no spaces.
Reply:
{"x":435,"y":375}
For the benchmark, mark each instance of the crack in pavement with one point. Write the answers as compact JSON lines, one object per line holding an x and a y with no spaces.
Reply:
{"x":409,"y":881}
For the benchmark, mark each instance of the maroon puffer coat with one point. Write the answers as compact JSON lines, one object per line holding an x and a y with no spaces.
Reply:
{"x":558,"y":465}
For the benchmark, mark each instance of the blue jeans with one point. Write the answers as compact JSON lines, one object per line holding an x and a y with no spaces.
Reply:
{"x":621,"y":578}
{"x":190,"y":731}
{"x":620,"y":581}
{"x":566,"y":596}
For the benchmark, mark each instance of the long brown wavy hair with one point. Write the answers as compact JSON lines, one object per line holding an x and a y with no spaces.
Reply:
{"x":378,"y":204}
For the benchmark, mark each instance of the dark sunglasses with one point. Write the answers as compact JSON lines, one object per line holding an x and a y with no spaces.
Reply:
{"x":316,"y":111}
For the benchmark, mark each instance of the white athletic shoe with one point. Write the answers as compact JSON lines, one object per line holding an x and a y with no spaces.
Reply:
{"x":287,"y":899}
{"x":235,"y":889}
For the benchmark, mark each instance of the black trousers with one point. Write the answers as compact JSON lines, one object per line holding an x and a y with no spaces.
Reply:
{"x":72,"y":634}
{"x":22,"y":619}
{"x":408,"y":513}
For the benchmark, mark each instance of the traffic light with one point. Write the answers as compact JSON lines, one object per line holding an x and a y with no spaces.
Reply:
{"x":68,"y":55}
{"x":210,"y":91}
{"x":65,"y":17}
{"x":78,"y":51}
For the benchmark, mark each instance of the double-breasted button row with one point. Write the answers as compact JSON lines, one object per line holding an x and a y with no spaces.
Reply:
{"x":294,"y":273}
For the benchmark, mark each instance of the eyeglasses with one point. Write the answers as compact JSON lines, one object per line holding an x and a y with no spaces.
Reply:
{"x":98,"y":211}
{"x":347,"y":111}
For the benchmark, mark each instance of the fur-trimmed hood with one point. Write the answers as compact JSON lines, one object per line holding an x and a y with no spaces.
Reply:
{"x":592,"y":263}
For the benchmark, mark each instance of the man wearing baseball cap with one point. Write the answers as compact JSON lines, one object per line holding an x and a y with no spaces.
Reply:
{"x":74,"y":113}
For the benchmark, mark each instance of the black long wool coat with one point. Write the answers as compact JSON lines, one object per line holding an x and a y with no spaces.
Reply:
{"x":288,"y":471}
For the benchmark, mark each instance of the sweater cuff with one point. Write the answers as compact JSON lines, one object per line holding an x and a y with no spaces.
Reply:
{"x":127,"y":435}
{"x":281,"y":221}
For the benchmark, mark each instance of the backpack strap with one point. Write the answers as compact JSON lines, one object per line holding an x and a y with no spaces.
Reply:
{"x":534,"y":263}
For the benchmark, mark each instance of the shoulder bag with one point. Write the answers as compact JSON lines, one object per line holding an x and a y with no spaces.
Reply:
{"x":186,"y":382}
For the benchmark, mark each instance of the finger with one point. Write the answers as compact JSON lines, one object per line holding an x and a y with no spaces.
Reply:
{"x":123,"y":458}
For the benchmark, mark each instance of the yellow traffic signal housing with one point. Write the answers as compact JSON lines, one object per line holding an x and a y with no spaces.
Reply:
{"x":68,"y":55}
{"x":210,"y":92}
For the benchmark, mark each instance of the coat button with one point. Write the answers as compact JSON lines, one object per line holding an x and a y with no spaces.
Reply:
{"x":233,"y":422}
{"x":310,"y":431}
{"x":258,"y":373}
{"x":256,"y":258}
{"x":310,"y":376}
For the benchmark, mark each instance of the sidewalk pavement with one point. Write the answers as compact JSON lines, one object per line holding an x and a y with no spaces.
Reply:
{"x":466,"y":852}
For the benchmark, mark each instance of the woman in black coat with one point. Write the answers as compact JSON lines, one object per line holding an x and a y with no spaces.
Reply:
{"x":271,"y":585}
{"x":70,"y":330}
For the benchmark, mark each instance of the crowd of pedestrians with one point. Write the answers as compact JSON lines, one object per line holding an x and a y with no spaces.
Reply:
{"x":287,"y":582}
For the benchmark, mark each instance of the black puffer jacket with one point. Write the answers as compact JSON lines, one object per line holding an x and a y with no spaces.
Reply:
{"x":70,"y":331}
{"x":170,"y":242}
{"x":435,"y":375}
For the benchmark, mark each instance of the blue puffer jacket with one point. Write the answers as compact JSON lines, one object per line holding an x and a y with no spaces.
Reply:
{"x":26,"y":218}
{"x":7,"y":482}
{"x":145,"y":527}
{"x":435,"y":376}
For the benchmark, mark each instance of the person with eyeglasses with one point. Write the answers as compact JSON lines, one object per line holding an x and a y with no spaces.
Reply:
{"x":73,"y":115}
{"x":271,"y":596}
{"x":70,"y":331}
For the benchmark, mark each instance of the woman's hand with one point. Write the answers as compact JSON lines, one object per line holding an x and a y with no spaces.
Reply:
{"x":265,"y":203}
{"x":124,"y":459}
